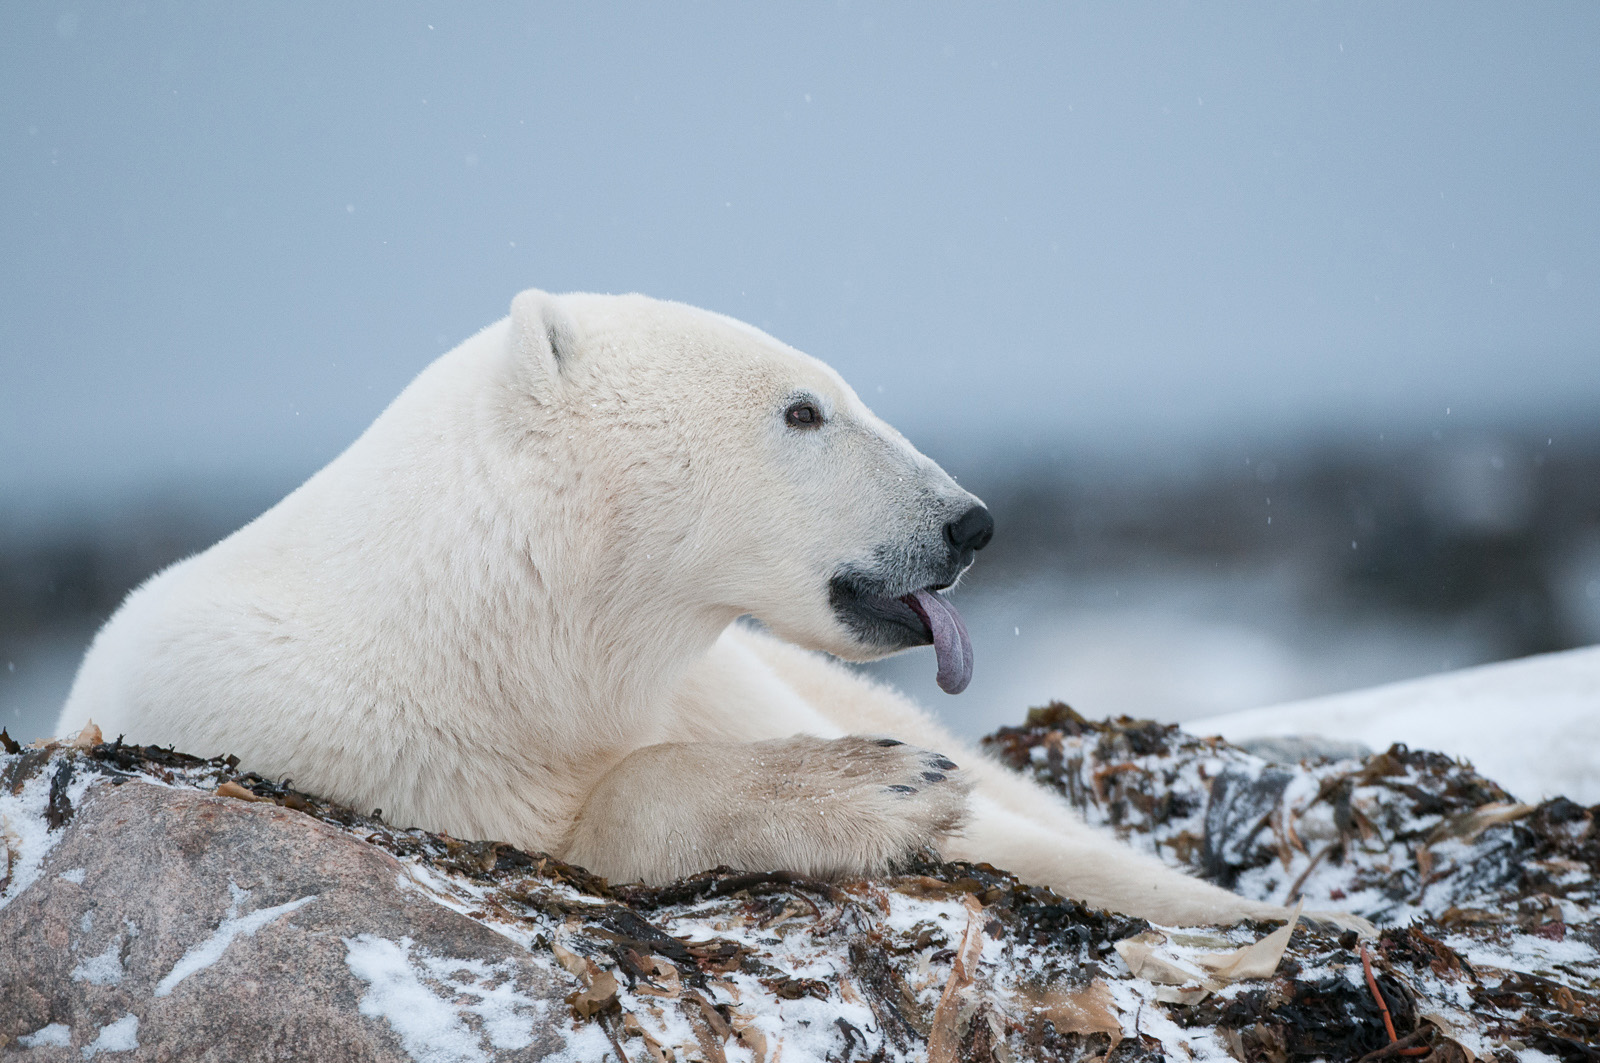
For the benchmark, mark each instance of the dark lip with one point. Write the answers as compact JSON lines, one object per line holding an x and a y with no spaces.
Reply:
{"x":876,"y":614}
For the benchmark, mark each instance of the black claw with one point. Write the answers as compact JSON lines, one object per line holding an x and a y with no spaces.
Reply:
{"x":943,"y":763}
{"x":887,"y":742}
{"x":932,"y":776}
{"x":898,"y":789}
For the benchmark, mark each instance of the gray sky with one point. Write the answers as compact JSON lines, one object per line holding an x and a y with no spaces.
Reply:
{"x":233,"y":232}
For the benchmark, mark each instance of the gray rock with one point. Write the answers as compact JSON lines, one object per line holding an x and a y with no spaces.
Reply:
{"x":171,"y":924}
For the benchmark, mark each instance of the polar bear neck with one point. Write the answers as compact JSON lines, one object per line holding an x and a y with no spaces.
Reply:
{"x":464,"y":540}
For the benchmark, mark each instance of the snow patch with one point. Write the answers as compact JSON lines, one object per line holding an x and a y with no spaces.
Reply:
{"x":56,"y":1035}
{"x":119,"y":1036}
{"x":75,"y":876}
{"x":25,"y":838}
{"x":1177,"y":1042}
{"x":467,"y":898}
{"x":104,"y":969}
{"x":1525,"y":953}
{"x":431,"y":1028}
{"x":233,"y":925}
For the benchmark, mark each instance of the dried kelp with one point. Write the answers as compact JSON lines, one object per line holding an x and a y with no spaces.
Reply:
{"x":1491,"y":951}
{"x":1492,"y":903}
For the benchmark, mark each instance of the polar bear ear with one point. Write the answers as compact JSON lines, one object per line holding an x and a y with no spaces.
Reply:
{"x":544,"y":334}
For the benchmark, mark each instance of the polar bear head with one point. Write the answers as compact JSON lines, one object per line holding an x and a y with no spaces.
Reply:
{"x":713,"y":471}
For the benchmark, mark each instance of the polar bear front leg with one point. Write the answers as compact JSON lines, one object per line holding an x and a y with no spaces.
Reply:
{"x":821,"y":807}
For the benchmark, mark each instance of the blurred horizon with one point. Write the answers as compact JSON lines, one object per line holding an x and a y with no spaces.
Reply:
{"x":234,"y":234}
{"x":1109,"y":264}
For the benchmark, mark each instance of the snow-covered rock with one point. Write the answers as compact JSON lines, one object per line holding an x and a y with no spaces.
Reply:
{"x":165,"y":922}
{"x":1533,"y":725}
{"x":156,"y":906}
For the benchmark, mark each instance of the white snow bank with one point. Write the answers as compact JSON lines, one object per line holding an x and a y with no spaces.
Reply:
{"x":1531,"y":725}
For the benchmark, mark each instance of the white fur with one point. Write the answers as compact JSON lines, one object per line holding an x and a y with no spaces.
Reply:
{"x":507,"y":611}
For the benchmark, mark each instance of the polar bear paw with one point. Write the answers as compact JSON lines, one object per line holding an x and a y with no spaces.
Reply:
{"x":847,"y":807}
{"x":822,"y":807}
{"x":906,"y":796}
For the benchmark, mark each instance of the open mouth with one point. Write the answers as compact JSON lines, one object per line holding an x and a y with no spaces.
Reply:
{"x":895,"y":622}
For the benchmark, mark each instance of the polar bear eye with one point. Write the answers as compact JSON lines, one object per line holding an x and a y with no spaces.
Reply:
{"x":803,"y":415}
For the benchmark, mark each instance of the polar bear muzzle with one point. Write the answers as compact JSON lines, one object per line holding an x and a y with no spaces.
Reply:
{"x":890,"y":617}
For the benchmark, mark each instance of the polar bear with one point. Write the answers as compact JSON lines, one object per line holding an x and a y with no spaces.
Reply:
{"x":510,"y":610}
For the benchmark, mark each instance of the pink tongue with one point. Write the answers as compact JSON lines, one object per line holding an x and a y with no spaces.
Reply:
{"x":950,"y":642}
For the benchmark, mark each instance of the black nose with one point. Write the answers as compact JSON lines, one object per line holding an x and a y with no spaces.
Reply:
{"x":972,"y":531}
